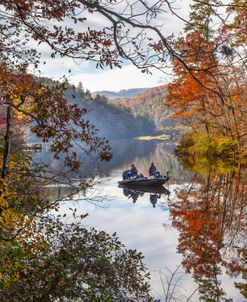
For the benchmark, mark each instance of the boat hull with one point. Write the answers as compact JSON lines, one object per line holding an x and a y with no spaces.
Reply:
{"x":146,"y":189}
{"x":144,"y":182}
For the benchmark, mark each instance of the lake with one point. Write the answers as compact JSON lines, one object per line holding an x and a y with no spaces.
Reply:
{"x":193,"y":236}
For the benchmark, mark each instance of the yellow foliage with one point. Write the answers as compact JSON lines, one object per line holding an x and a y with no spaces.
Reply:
{"x":3,"y":188}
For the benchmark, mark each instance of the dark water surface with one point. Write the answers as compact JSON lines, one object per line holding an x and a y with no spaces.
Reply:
{"x":194,"y":239}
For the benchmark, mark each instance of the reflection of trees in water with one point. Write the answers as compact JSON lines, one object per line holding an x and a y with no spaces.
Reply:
{"x":126,"y":152}
{"x":164,"y":160}
{"x":211,"y":220}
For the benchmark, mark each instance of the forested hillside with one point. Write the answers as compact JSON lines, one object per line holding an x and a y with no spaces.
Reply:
{"x":149,"y":104}
{"x":124,"y":93}
{"x":111,"y":120}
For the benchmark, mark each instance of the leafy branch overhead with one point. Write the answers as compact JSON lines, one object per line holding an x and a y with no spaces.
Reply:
{"x":128,"y":30}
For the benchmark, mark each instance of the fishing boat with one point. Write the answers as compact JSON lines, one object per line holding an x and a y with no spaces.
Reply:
{"x":146,"y":189}
{"x":144,"y":181}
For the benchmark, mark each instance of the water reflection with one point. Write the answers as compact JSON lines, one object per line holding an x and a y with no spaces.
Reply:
{"x":210,"y":215}
{"x":125,"y":152}
{"x":139,"y":191}
{"x":208,"y":206}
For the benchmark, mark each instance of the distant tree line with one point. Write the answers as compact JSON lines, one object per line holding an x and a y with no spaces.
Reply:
{"x":112,"y":120}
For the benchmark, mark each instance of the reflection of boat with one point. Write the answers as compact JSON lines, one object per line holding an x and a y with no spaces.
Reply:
{"x":135,"y":191}
{"x":144,"y":181}
{"x":146,"y":189}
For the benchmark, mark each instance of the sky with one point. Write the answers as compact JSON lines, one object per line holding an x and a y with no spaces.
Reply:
{"x":108,"y":79}
{"x":116,"y":79}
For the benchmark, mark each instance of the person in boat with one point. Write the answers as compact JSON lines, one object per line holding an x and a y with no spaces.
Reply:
{"x":126,"y":174}
{"x":152,"y":171}
{"x":133,"y":170}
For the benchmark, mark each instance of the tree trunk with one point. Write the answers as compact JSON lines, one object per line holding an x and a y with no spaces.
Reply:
{"x":6,"y":152}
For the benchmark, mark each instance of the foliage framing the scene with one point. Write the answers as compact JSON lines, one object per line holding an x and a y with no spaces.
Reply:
{"x":209,"y":94}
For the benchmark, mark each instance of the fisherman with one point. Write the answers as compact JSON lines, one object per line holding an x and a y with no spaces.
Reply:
{"x":133,"y":170}
{"x":126,"y":174}
{"x":153,"y":172}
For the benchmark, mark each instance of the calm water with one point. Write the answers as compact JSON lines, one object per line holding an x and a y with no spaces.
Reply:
{"x":198,"y":229}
